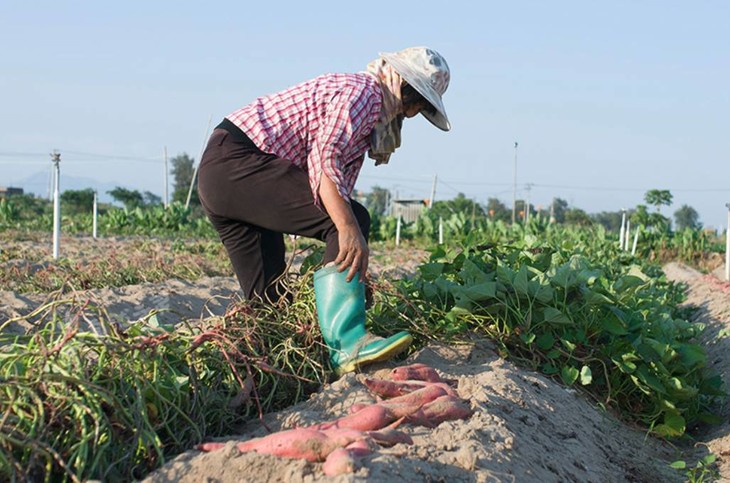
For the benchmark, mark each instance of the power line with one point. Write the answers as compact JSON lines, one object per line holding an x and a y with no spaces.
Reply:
{"x":99,"y":158}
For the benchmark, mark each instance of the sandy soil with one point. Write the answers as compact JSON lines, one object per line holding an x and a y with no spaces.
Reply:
{"x":525,"y":427}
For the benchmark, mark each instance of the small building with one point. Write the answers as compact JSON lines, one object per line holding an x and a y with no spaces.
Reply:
{"x":409,"y":210}
{"x":8,"y":192}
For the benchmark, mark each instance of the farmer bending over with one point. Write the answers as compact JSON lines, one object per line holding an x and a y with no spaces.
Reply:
{"x":288,"y":162}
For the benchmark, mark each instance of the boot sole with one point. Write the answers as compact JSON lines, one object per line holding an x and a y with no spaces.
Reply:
{"x":384,"y":354}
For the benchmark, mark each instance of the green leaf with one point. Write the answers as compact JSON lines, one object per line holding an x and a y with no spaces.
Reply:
{"x":472,"y":274}
{"x":569,"y":375}
{"x":520,"y":283}
{"x":643,"y":374}
{"x":586,"y":375}
{"x":627,"y":282}
{"x":528,"y":338}
{"x":679,"y":465}
{"x":564,"y":277}
{"x":568,"y":344}
{"x":431,"y":271}
{"x":613,"y":326}
{"x":589,"y":277}
{"x":692,"y":355}
{"x":549,"y":368}
{"x":627,"y":367}
{"x":674,"y":425}
{"x":712,"y":386}
{"x":592,"y":297}
{"x":556,"y":317}
{"x":505,"y":274}
{"x":545,"y":341}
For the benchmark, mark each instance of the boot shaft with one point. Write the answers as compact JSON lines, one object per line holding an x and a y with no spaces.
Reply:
{"x":340,"y":308}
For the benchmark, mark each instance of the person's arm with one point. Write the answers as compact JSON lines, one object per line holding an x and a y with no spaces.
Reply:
{"x":354,"y":252}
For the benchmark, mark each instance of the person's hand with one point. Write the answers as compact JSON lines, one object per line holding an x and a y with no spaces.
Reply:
{"x":354,"y":252}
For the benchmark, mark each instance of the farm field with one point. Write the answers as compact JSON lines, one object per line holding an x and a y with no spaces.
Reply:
{"x":538,"y":414}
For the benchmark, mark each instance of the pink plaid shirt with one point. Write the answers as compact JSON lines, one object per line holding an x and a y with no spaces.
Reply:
{"x":322,"y":125}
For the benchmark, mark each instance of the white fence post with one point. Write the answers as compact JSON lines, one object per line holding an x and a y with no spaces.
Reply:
{"x":397,"y":231}
{"x":95,"y":215}
{"x":441,"y":231}
{"x":56,"y":158}
{"x":622,"y":232}
{"x":636,"y":240}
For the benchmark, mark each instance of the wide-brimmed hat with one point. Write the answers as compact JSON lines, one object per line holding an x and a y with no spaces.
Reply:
{"x":427,"y":71}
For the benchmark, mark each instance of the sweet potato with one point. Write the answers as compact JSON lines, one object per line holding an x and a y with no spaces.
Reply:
{"x":361,"y":447}
{"x":357,"y":407}
{"x":444,"y":408}
{"x":418,"y":372}
{"x":420,"y":396}
{"x":370,"y":418}
{"x":344,"y":436}
{"x":389,"y":389}
{"x":389,"y":437}
{"x":302,"y":443}
{"x":208,"y":447}
{"x":339,"y":462}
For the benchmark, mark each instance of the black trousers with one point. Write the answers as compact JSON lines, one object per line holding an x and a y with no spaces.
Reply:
{"x":252,"y":198}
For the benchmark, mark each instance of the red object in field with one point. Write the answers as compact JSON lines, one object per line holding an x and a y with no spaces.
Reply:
{"x":417,"y":372}
{"x":444,"y":408}
{"x":389,"y":389}
{"x":303,"y":443}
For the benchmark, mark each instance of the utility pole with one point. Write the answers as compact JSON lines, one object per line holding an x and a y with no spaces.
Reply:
{"x":167,"y":197}
{"x":514,"y":188}
{"x":727,"y":245}
{"x":528,"y":187}
{"x":56,"y":159}
{"x":433,"y":192}
{"x":552,"y":211}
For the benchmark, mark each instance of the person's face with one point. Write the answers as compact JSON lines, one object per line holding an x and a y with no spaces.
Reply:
{"x":414,"y":109}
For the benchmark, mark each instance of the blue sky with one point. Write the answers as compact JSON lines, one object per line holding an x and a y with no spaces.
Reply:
{"x":607,"y":100}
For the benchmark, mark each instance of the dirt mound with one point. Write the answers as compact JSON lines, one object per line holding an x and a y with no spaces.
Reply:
{"x":525,"y":428}
{"x":177,"y":300}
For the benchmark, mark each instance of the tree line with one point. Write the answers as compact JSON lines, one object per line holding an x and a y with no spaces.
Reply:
{"x":378,"y":200}
{"x":559,"y":211}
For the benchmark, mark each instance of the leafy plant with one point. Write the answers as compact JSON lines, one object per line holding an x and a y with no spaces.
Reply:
{"x":612,"y":329}
{"x":704,"y":470}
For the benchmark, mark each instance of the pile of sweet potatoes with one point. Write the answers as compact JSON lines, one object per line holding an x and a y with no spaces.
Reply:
{"x":414,"y":394}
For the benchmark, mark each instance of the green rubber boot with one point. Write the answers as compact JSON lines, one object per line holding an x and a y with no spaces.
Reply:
{"x":341,"y":312}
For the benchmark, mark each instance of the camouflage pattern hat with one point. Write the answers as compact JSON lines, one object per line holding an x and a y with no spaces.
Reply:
{"x":428,"y":73}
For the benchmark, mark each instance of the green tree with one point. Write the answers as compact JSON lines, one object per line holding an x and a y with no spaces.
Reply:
{"x":78,"y":201}
{"x":576,"y":216}
{"x":640,"y":216}
{"x":30,"y":206}
{"x":182,"y":175}
{"x":687,"y":217}
{"x":611,"y":220}
{"x":377,"y":200}
{"x":460,"y":204}
{"x":497,"y":210}
{"x":658,"y":198}
{"x":151,"y":199}
{"x":559,"y":207}
{"x":131,"y":199}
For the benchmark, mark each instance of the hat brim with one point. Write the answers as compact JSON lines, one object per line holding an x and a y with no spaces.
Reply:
{"x":439,"y":118}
